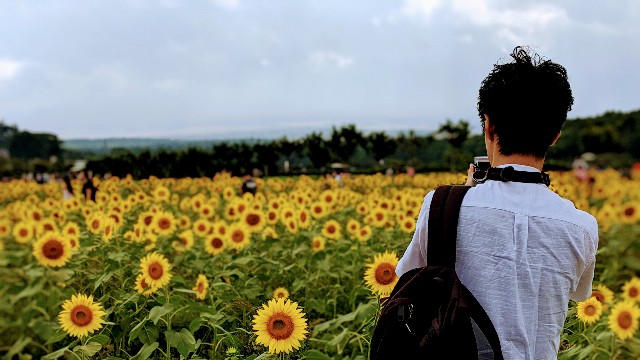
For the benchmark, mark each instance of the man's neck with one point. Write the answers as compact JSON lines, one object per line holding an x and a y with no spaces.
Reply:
{"x":499,"y":159}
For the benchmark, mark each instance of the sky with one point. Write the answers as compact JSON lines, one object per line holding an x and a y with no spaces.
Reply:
{"x":267,"y":68}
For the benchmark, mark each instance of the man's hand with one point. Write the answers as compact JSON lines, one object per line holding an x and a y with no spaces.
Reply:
{"x":470,"y":172}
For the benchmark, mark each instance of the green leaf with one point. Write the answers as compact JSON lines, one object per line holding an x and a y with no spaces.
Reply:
{"x":159,"y":311}
{"x":89,"y":350}
{"x":56,"y":354}
{"x":316,"y":355}
{"x":27,"y":292}
{"x":585,"y":352}
{"x":339,"y":338}
{"x":100,"y":339}
{"x":102,"y":279}
{"x":148,"y":334}
{"x":195,"y":324}
{"x":57,"y":336}
{"x":183,"y":341}
{"x":135,"y":332}
{"x":18,"y":346}
{"x":145,"y":351}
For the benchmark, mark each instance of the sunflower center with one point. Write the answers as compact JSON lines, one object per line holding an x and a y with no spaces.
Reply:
{"x":590,"y":310}
{"x":280,"y":326}
{"x":147,"y":220}
{"x":23,"y":232}
{"x":81,"y":315}
{"x":241,"y":208}
{"x":200,"y":287}
{"x":379,"y":216}
{"x":303,"y":217}
{"x":253,"y":219}
{"x":317,"y":244}
{"x":633,"y":292}
{"x":95,"y":224}
{"x":164,"y":223}
{"x":143,"y":284}
{"x":272,"y":215}
{"x":216,"y":243}
{"x":629,"y":211}
{"x":385,"y":274}
{"x":155,"y":271}
{"x":237,"y":236}
{"x":625,"y":320}
{"x":317,"y":210}
{"x":331,"y":229}
{"x":52,"y":249}
{"x":107,"y":230}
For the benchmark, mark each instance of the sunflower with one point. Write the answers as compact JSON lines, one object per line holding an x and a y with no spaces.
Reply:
{"x":186,"y":239}
{"x":142,"y":286}
{"x":408,"y":225}
{"x":71,"y":228}
{"x":280,"y":293}
{"x":5,"y":227}
{"x":317,"y":243}
{"x":201,"y":227}
{"x":269,"y":232}
{"x":202,"y":286}
{"x":253,"y":219}
{"x":206,"y":211}
{"x":47,"y":224}
{"x":304,"y":219}
{"x":164,"y":223}
{"x":238,"y":236}
{"x":272,"y":216}
{"x":80,"y":316}
{"x":364,"y":233}
{"x":292,"y":225}
{"x":603,"y":294}
{"x":156,"y":269}
{"x":631,"y":290}
{"x":353,"y":226}
{"x":318,"y":210}
{"x":214,"y":244}
{"x":280,"y":325}
{"x":629,"y":213}
{"x":623,"y":319}
{"x":108,"y":229}
{"x":589,"y":311}
{"x":362,"y":208}
{"x":94,"y":223}
{"x":331,"y":229}
{"x":184,"y":222}
{"x":23,"y":232}
{"x":52,"y":250}
{"x":380,"y":274}
{"x":161,"y":193}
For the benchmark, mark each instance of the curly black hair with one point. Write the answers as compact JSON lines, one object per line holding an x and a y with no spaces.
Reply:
{"x":527,"y":101}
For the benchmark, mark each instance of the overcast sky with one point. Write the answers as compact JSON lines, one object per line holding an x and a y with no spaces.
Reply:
{"x":228,"y":68}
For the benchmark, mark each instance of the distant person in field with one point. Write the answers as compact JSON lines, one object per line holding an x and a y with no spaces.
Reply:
{"x":522,"y":250}
{"x":88,"y":189}
{"x":249,"y":185}
{"x":67,"y":189}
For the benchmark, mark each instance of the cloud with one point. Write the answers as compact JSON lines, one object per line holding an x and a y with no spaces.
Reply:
{"x":420,"y":7}
{"x":9,"y":69}
{"x":227,"y":4}
{"x":321,"y":60}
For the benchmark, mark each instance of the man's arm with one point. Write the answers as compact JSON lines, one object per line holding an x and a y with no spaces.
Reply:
{"x":416,"y":254}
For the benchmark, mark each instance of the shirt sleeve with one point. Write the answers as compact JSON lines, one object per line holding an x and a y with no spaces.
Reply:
{"x":583,"y":290}
{"x":416,"y":254}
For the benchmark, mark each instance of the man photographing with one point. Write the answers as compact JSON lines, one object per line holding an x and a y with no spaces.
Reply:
{"x":522,"y":250}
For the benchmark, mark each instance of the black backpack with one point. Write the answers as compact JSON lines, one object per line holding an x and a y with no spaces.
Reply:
{"x":430,"y":314}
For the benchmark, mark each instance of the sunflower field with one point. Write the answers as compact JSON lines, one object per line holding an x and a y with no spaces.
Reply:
{"x":189,"y":268}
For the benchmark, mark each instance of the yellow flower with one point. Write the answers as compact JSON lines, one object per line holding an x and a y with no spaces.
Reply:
{"x":631,"y":289}
{"x":142,"y":286}
{"x":156,"y":269}
{"x":318,"y":210}
{"x":380,"y":274}
{"x":317,"y":243}
{"x":364,"y":233}
{"x":253,"y":219}
{"x":214,"y":244}
{"x":52,"y":250}
{"x":331,"y":229}
{"x":161,"y":193}
{"x":604,"y":295}
{"x":201,"y":227}
{"x":164,"y":223}
{"x":280,"y":325}
{"x":280,"y":293}
{"x":81,"y":316}
{"x":623,"y":319}
{"x":94,"y":223}
{"x":589,"y":311}
{"x":238,"y":236}
{"x":23,"y":232}
{"x":202,"y":286}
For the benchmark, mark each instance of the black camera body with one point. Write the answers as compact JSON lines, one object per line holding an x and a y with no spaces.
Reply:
{"x":481,"y":163}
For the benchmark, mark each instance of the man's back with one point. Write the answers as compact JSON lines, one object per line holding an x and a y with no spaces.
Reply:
{"x":521,"y":251}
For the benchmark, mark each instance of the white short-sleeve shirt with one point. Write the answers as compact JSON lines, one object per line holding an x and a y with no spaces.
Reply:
{"x":523,"y":252}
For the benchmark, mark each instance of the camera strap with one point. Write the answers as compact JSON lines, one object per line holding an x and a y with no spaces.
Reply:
{"x":510,"y":174}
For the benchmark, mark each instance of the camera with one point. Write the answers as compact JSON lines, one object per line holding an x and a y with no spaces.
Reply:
{"x":481,"y":163}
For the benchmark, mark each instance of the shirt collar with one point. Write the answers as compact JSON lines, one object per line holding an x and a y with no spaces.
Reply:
{"x":520,"y":167}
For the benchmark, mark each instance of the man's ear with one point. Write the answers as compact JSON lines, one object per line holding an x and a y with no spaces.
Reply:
{"x":488,"y":128}
{"x":556,"y":138}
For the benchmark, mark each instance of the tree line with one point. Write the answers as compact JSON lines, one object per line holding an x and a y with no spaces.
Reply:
{"x":613,"y":136}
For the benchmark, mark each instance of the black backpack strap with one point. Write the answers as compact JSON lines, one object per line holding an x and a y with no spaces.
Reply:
{"x":443,"y":225}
